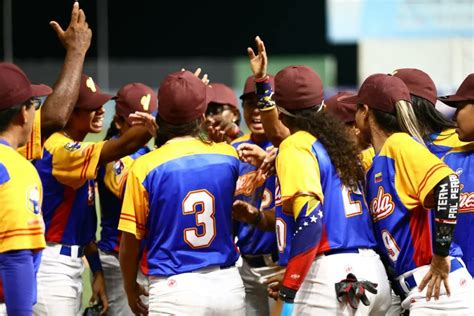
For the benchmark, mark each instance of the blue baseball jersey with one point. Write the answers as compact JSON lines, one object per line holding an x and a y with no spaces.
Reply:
{"x":328,"y":216}
{"x":67,"y":171}
{"x":178,"y":198}
{"x":110,"y":181}
{"x":461,"y":160}
{"x":401,"y":177}
{"x":260,"y":192}
{"x":284,"y":228}
{"x":443,"y":142}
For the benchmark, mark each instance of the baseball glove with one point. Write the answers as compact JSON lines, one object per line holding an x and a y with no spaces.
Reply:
{"x":352,"y":291}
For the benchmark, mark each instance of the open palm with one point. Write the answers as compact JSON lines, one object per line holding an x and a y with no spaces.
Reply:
{"x":258,"y":62}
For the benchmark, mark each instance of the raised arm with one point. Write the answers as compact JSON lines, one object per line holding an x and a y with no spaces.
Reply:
{"x":275,"y":131}
{"x":76,"y":40}
{"x":134,"y":138}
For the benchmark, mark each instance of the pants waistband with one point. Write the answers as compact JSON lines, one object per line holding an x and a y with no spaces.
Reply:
{"x":202,"y":270}
{"x":258,"y":261}
{"x":342,"y":251}
{"x":408,"y":282}
{"x":73,"y":251}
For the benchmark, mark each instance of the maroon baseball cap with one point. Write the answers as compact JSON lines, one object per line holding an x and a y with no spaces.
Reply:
{"x":342,"y":110}
{"x":90,"y":95}
{"x":249,"y":88}
{"x":134,"y":97}
{"x":418,"y":83}
{"x":16,"y":88}
{"x":222,"y":94}
{"x":182,"y":98}
{"x":381,"y":92}
{"x":464,"y":93}
{"x":297,"y":88}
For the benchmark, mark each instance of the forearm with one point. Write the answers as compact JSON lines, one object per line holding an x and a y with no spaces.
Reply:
{"x":135,"y":138}
{"x":446,"y":194}
{"x":275,"y":131}
{"x":129,"y":257}
{"x":58,"y":106}
{"x":267,"y":221}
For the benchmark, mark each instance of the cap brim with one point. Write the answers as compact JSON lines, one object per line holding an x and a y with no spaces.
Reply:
{"x":451,"y":100}
{"x":39,"y":90}
{"x":350,"y":99}
{"x":99,"y":100}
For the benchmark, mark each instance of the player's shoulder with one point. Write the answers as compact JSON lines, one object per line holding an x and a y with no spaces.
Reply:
{"x":300,"y":139}
{"x":461,"y":151}
{"x":13,"y":164}
{"x":59,"y":140}
{"x":240,"y":140}
{"x":400,"y":143}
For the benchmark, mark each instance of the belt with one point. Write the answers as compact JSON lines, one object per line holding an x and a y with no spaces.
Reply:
{"x":339,"y":251}
{"x":409,"y":282}
{"x":72,"y":251}
{"x":258,"y":261}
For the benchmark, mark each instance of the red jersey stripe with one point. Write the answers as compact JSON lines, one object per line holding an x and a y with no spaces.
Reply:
{"x":60,"y":218}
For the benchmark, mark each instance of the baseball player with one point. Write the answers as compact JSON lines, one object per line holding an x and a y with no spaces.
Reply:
{"x":21,"y":222}
{"x":178,"y":199}
{"x":57,"y":107}
{"x":461,"y":160}
{"x":67,"y":170}
{"x":258,"y":248}
{"x":438,"y":132}
{"x":404,"y":181}
{"x":318,"y":180}
{"x":111,"y":177}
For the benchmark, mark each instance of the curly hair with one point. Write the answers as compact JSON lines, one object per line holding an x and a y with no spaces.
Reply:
{"x":336,"y":139}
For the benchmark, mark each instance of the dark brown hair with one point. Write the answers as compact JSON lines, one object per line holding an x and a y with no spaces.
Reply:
{"x":167,"y":131}
{"x":336,"y":139}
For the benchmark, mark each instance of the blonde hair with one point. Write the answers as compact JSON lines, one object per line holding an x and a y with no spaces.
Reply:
{"x":407,"y":120}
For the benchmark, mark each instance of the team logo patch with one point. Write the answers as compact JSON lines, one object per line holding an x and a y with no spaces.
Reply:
{"x":72,"y":146}
{"x":90,"y":84}
{"x":466,"y":202}
{"x":118,"y":167}
{"x":171,"y":282}
{"x":382,"y":205}
{"x":32,"y":200}
{"x":145,"y":102}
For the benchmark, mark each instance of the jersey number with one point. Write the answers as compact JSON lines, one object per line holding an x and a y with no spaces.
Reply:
{"x":351,"y":207}
{"x":391,"y":245}
{"x":280,"y":227}
{"x":201,"y":204}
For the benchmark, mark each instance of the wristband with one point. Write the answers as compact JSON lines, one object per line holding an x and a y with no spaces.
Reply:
{"x":94,"y":262}
{"x":264,"y":94}
{"x":287,"y":295}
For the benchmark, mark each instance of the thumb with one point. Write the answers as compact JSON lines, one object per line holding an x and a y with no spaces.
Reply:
{"x":56,"y":27}
{"x":143,"y":291}
{"x":93,"y":298}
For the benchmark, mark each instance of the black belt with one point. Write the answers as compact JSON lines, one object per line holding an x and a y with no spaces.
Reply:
{"x":258,"y":261}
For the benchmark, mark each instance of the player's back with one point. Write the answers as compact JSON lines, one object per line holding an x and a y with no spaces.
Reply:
{"x":190,"y":187}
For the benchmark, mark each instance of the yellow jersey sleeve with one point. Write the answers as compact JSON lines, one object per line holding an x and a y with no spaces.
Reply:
{"x":135,"y":203}
{"x":298,"y":169}
{"x":417,"y":170}
{"x":367,"y":157}
{"x":21,"y":195}
{"x":74,"y":163}
{"x":33,"y":148}
{"x":116,"y":174}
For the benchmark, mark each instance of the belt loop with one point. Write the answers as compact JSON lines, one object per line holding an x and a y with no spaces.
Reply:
{"x":404,"y":285}
{"x":74,"y":251}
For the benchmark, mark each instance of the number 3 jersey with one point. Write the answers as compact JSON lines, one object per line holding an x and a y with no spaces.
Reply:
{"x":179,"y":199}
{"x":401,"y":177}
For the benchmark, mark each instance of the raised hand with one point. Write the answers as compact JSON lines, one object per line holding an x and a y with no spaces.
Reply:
{"x":197,"y":72}
{"x":78,"y":35}
{"x":259,"y":62}
{"x":145,"y":119}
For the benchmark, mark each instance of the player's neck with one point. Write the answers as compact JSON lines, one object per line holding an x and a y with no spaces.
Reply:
{"x":378,"y":138}
{"x":12,"y":137}
{"x":74,"y":134}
